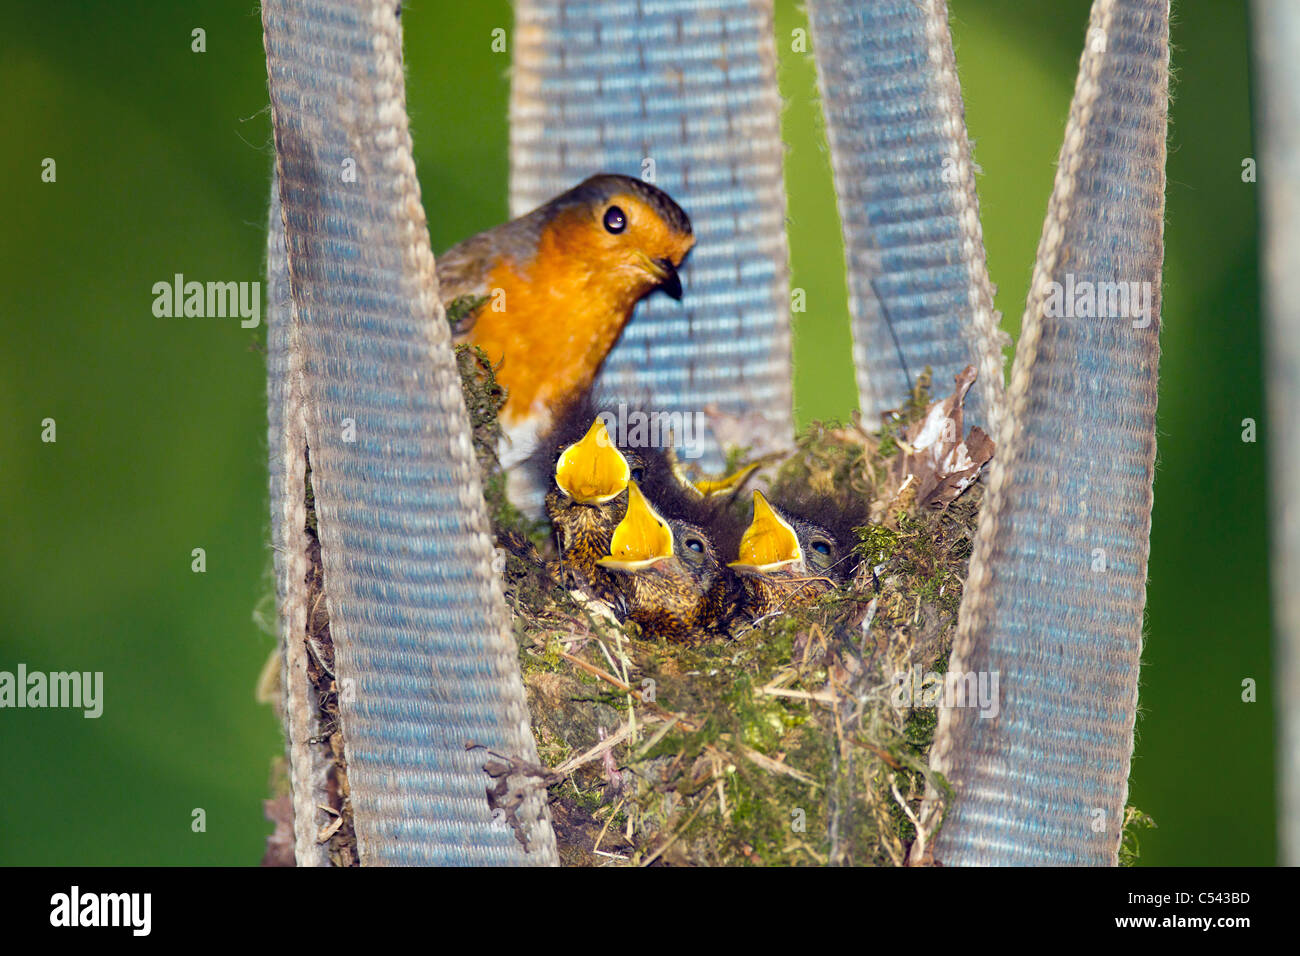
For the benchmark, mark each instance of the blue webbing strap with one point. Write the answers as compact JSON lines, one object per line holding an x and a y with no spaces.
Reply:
{"x":1277,"y":40}
{"x":919,"y":291}
{"x":424,"y":656}
{"x":1057,"y":584}
{"x":687,"y":89}
{"x":286,"y":439}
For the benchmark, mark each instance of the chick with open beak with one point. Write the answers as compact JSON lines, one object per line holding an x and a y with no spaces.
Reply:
{"x":668,"y":572}
{"x":586,"y":501}
{"x":787,"y":560}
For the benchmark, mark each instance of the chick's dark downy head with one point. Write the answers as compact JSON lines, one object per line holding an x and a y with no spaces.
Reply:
{"x":679,"y":584}
{"x":585,"y":502}
{"x":671,"y":578}
{"x":581,"y":464}
{"x":586,"y":474}
{"x":790,"y":556}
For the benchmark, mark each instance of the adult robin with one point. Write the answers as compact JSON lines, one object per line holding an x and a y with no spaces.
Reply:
{"x":670,"y":576}
{"x":789,"y":556}
{"x":553,"y":289}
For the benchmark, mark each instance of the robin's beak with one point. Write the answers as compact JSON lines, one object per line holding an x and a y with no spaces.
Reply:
{"x":666,"y":273}
{"x":642,"y":538}
{"x":592,"y":470}
{"x":768,"y":544}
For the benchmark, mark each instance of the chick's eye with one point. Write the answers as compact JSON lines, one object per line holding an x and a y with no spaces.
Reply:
{"x":695,"y":544}
{"x":821,"y":552}
{"x":637,"y":474}
{"x":615,"y":220}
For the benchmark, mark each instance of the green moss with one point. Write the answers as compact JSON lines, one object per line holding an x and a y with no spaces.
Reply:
{"x":878,"y":543}
{"x":462,"y":308}
{"x":1135,"y":821}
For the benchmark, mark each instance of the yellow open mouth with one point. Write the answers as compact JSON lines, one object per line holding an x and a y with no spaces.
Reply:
{"x":725,"y":484}
{"x":592,"y":470}
{"x":708,"y":486}
{"x":768,"y":544}
{"x":641,"y":539}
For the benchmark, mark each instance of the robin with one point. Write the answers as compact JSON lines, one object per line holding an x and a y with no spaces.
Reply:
{"x":671,"y":579}
{"x":553,"y":289}
{"x":789,"y":556}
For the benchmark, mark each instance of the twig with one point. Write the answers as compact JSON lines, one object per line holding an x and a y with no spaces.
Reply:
{"x":609,"y":743}
{"x":775,"y":766}
{"x":657,"y":736}
{"x":605,"y":829}
{"x":676,"y":833}
{"x":920,"y":832}
{"x":609,"y":678}
{"x":818,"y":695}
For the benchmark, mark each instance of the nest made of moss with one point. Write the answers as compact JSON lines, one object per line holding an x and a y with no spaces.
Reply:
{"x":788,"y":743}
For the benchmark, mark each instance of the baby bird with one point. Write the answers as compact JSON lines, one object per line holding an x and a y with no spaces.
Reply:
{"x":788,"y":558}
{"x":558,"y":286}
{"x":670,"y":577}
{"x":585,"y":503}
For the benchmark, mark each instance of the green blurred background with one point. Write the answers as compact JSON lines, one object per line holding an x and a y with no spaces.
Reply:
{"x":163,"y":163}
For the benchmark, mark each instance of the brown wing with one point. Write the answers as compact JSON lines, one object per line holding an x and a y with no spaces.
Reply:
{"x":463,"y":269}
{"x":462,"y":272}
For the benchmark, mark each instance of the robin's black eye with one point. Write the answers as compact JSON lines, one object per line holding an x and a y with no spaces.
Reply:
{"x":638,"y":474}
{"x":615,"y":220}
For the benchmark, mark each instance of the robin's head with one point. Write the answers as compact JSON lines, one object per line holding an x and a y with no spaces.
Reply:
{"x":621,"y":228}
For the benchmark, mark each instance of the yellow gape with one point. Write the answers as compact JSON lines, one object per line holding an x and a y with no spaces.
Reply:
{"x":641,"y":539}
{"x":592,"y":470}
{"x":769,"y":543}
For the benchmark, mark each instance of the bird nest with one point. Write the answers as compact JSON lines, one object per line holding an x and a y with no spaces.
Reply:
{"x":800,"y":739}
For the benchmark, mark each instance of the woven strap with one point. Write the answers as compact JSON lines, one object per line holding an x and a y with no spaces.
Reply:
{"x":919,"y":291}
{"x":361,"y":369}
{"x":286,"y":439}
{"x":1277,"y":33}
{"x":685,"y":90}
{"x":1057,"y":582}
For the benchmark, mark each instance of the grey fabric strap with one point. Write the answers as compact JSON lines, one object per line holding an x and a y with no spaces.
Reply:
{"x":919,"y":291}
{"x":686,"y":91}
{"x":286,"y":441}
{"x":1277,"y":40}
{"x":1057,"y":583}
{"x":361,"y":368}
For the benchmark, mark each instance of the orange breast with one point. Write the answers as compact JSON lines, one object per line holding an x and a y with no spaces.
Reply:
{"x":550,"y":324}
